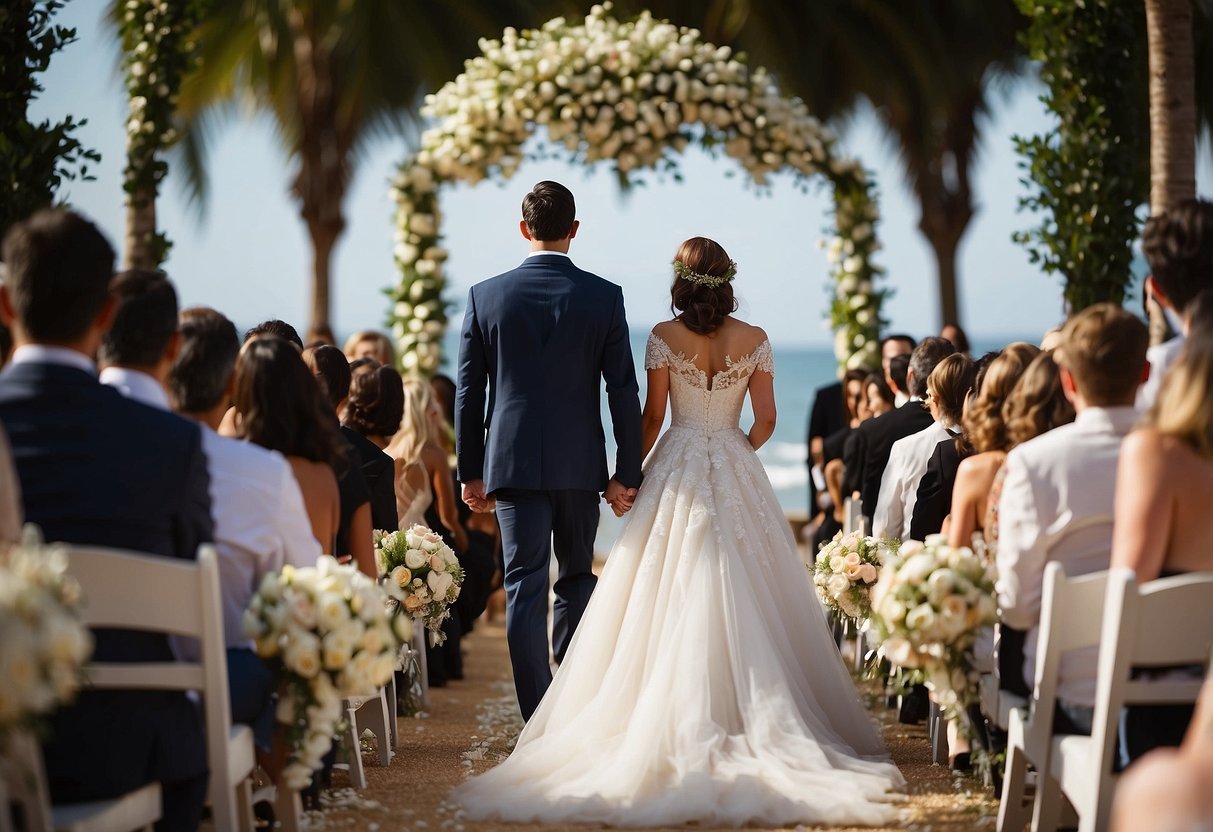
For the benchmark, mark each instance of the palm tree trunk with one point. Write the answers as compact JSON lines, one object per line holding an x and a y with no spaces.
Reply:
{"x":1172,"y":103}
{"x":141,"y":230}
{"x":1172,"y":117}
{"x":323,"y":175}
{"x":943,"y":230}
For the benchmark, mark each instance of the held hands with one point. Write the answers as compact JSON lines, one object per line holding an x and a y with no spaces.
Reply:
{"x":476,"y":499}
{"x":619,"y":498}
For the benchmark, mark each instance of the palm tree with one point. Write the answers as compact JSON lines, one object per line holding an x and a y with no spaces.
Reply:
{"x":1173,"y":122}
{"x":332,"y":74}
{"x":927,"y":69}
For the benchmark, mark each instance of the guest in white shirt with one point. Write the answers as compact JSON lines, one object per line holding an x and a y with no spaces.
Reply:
{"x":947,"y":387}
{"x":260,"y":522}
{"x":1059,"y":493}
{"x":1178,"y":246}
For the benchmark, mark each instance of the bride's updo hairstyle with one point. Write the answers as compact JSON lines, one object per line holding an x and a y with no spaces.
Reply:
{"x":702,"y":294}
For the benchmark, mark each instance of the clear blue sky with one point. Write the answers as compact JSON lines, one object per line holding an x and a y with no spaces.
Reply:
{"x":248,"y":254}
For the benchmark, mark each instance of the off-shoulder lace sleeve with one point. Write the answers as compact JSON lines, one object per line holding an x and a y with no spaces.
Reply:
{"x":764,"y":358}
{"x":657,"y":353}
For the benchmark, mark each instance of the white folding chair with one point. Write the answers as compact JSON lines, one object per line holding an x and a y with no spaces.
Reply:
{"x":1071,"y":617}
{"x":135,"y":591}
{"x":1160,"y":624}
{"x":367,"y":713}
{"x":23,"y":786}
{"x":852,"y":517}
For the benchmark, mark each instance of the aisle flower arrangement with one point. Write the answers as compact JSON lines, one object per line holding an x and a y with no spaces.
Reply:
{"x":43,"y":644}
{"x":929,"y":604}
{"x":326,"y":632}
{"x":635,"y":93}
{"x":845,"y":571}
{"x":421,"y":576}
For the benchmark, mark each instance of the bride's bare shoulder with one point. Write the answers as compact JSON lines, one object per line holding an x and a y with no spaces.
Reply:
{"x":747,"y":334}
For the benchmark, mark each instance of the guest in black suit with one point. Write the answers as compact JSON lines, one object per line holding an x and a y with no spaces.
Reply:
{"x":96,"y":468}
{"x":875,"y":438}
{"x":934,"y":498}
{"x":332,"y":370}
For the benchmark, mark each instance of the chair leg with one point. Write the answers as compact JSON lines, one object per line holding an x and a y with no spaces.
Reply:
{"x":419,"y":638}
{"x":377,"y":721}
{"x":288,"y":810}
{"x":392,"y":723}
{"x":1046,"y":808}
{"x":1012,"y":816}
{"x":353,"y":750}
{"x":244,"y":805}
{"x":939,"y":735}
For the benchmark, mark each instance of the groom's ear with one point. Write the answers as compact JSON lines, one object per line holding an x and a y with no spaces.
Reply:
{"x":526,"y":232}
{"x":573,"y":230}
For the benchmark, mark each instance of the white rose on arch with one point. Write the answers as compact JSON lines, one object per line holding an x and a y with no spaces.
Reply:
{"x":578,"y":77}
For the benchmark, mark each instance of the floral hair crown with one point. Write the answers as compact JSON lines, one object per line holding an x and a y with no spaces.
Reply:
{"x":710,"y":280}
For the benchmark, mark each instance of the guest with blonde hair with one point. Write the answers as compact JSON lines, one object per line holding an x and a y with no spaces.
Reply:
{"x":369,"y":343}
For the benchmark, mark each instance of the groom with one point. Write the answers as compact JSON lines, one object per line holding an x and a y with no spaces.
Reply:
{"x":542,"y":338}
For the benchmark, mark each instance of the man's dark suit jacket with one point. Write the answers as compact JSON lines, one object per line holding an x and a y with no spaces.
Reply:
{"x":873,"y":442}
{"x":379,"y":470}
{"x":827,"y":417}
{"x":934,"y":500}
{"x":542,"y":338}
{"x":100,"y":469}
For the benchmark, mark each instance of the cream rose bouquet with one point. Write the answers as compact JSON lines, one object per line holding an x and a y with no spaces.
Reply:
{"x":421,"y":576}
{"x":845,"y":570}
{"x":43,"y":644}
{"x":927,"y":607}
{"x":326,"y":632}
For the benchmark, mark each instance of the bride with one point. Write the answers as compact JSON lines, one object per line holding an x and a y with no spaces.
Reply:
{"x":702,"y":684}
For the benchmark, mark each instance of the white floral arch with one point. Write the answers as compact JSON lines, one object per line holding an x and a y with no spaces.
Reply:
{"x":637,"y":93}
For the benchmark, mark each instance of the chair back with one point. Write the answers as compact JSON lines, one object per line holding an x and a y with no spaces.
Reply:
{"x":1166,"y":623}
{"x":852,"y":517}
{"x":1071,"y":617}
{"x":134,"y":591}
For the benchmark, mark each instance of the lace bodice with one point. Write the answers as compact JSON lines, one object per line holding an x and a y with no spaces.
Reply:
{"x":701,"y":403}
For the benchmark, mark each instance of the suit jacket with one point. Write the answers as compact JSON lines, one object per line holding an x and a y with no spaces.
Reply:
{"x":541,"y":339}
{"x":379,"y":471}
{"x":934,"y":501}
{"x":874,"y":441}
{"x":100,"y":469}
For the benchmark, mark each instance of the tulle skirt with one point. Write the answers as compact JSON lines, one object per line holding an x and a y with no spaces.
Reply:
{"x":703,"y":684}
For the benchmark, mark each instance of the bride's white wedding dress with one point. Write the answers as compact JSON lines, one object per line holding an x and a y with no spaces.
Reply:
{"x":702,"y":684}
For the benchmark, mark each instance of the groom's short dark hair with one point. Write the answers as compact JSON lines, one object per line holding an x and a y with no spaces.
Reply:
{"x":549,"y":211}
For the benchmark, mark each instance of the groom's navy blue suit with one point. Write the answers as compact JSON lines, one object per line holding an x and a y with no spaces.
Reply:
{"x":542,"y":338}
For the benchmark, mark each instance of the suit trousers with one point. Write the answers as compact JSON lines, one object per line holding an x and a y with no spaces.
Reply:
{"x":533,"y":524}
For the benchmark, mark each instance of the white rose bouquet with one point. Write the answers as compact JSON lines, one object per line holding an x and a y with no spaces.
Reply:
{"x":845,"y":571}
{"x":43,"y":644}
{"x":327,"y":634}
{"x":927,"y":607}
{"x":421,"y":576}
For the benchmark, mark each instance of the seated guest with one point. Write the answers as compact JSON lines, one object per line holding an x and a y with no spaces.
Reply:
{"x":1059,"y":490}
{"x":985,"y":443}
{"x":879,"y":395}
{"x":99,"y":469}
{"x":260,"y":520}
{"x":368,"y":343}
{"x":278,"y":328}
{"x":372,"y":413}
{"x":280,"y":407}
{"x":947,"y":386}
{"x":10,"y":496}
{"x":856,"y":404}
{"x":956,"y":336}
{"x":332,"y":370}
{"x":1178,"y":246}
{"x":1164,"y":489}
{"x":891,"y":346}
{"x":874,"y":439}
{"x":934,"y":498}
{"x":1171,"y":790}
